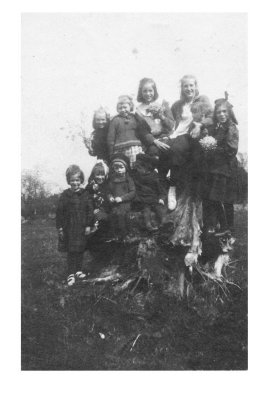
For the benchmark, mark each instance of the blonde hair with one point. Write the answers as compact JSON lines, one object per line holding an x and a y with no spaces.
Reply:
{"x":126,"y":99}
{"x":101,"y":110}
{"x":184,"y":78}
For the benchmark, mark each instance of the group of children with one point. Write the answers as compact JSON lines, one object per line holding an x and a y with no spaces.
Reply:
{"x":104,"y":204}
{"x":126,"y":174}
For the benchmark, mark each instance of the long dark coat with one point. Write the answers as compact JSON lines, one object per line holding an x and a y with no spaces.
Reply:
{"x":74,"y":213}
{"x":99,"y":147}
{"x":148,"y":188}
{"x":222,"y":164}
{"x":123,"y":187}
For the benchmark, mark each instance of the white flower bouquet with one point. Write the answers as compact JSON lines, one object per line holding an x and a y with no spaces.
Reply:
{"x":155,"y":109}
{"x":208,"y":143}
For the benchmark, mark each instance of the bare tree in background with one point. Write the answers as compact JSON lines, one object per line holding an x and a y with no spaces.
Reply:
{"x":36,"y":198}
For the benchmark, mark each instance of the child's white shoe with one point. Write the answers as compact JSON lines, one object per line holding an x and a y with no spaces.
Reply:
{"x":80,"y":275}
{"x":71,"y":280}
{"x":172,"y":198}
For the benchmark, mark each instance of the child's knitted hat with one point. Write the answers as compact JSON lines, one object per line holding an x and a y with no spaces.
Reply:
{"x":120,"y":157}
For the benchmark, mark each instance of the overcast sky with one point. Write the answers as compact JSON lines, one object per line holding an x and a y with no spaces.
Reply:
{"x":72,"y":63}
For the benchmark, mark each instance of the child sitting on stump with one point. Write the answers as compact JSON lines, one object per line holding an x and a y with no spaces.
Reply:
{"x":121,"y":191}
{"x":149,"y":191}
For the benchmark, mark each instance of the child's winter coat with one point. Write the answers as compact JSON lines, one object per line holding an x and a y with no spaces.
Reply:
{"x":74,"y":213}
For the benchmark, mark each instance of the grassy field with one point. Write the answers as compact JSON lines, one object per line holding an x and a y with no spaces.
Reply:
{"x":84,"y":329}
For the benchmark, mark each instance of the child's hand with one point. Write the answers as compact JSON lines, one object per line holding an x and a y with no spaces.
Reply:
{"x":161,"y":202}
{"x":161,"y":145}
{"x":87,"y":230}
{"x":111,"y":199}
{"x":161,"y":114}
{"x":196,"y":130}
{"x":205,"y":132}
{"x":118,"y":200}
{"x":95,"y":227}
{"x":96,"y":211}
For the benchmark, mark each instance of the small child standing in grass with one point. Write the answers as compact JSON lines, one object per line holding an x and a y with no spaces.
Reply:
{"x":73,"y":220}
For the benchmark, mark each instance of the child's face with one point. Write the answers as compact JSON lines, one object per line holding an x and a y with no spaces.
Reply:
{"x":123,"y":109}
{"x":189,"y":88}
{"x":148,"y":93}
{"x":119,"y":169}
{"x":99,"y":177}
{"x":222,"y":114}
{"x":140,"y":168}
{"x":75,"y":182}
{"x":100,"y":120}
{"x":197,"y":115}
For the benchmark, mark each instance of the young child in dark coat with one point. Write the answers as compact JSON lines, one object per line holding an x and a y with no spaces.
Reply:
{"x":121,"y":191}
{"x":74,"y":219}
{"x":222,"y":163}
{"x":149,"y":191}
{"x":97,"y":189}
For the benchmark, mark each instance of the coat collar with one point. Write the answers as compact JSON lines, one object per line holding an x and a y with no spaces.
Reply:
{"x":71,"y":193}
{"x":119,"y":179}
{"x":224,"y":126}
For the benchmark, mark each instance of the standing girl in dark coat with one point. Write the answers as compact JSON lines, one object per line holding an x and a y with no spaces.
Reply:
{"x":222,"y":170}
{"x":73,"y":220}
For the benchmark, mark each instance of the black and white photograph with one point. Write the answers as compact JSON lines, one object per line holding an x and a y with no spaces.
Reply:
{"x":134,"y":181}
